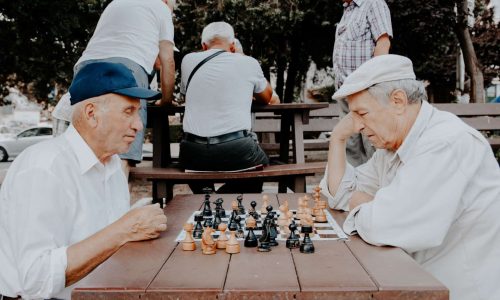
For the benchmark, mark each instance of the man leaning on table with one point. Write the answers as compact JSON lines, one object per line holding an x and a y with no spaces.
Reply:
{"x":432,"y":187}
{"x":64,"y":204}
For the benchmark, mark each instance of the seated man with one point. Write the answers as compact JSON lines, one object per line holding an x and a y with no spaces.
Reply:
{"x":64,"y":203}
{"x":217,"y":118}
{"x":432,"y":187}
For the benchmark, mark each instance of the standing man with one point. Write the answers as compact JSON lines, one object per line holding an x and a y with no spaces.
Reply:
{"x":217,"y":119}
{"x":64,"y":204}
{"x":432,"y":188}
{"x":363,"y":32}
{"x":135,"y":33}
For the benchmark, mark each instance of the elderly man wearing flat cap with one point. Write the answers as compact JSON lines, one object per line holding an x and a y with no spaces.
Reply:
{"x":64,"y":204}
{"x":432,"y":187}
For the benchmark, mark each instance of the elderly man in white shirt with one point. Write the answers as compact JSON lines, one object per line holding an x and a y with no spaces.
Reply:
{"x":432,"y":187}
{"x":64,"y":204}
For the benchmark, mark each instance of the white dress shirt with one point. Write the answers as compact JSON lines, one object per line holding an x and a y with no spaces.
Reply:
{"x":438,"y":198}
{"x":55,"y":194}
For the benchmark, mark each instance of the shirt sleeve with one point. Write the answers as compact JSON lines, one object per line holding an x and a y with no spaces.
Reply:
{"x":166,"y":24}
{"x":379,"y":19}
{"x":40,"y":218}
{"x":257,"y":78}
{"x":415,"y":211}
{"x":363,"y":178}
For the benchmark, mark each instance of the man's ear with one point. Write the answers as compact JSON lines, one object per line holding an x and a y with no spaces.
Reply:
{"x":399,"y":100}
{"x":204,"y":46}
{"x":90,"y":111}
{"x":232,"y":48}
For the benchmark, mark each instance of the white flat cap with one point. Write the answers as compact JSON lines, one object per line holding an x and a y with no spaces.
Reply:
{"x":376,"y":70}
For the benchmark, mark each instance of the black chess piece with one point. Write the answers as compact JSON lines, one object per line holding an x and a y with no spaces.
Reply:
{"x":208,"y":222}
{"x":251,"y":239}
{"x":269,"y":208}
{"x":240,"y":233}
{"x":273,"y":232}
{"x":306,"y":246}
{"x":218,"y":207}
{"x":264,"y":238}
{"x":254,"y":212}
{"x":293,"y":240}
{"x":217,"y":219}
{"x":198,"y":229}
{"x":241,"y":209}
{"x":233,"y":226}
{"x":207,"y":210}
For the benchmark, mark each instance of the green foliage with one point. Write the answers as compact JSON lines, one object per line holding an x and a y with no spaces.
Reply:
{"x":40,"y":40}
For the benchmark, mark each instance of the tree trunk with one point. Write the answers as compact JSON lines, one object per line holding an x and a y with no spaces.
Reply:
{"x":292,"y":72}
{"x":472,"y":66}
{"x":280,"y":70}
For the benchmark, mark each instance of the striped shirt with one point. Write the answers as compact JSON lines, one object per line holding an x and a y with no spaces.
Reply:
{"x":362,"y":23}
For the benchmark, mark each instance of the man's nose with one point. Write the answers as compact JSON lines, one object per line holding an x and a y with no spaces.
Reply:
{"x":358,"y":124}
{"x":137,"y":123}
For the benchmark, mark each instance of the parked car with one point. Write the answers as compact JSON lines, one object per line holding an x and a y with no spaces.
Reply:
{"x":11,"y":145}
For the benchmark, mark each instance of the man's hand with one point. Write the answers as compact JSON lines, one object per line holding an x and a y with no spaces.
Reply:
{"x":359,"y":198}
{"x":344,"y":129}
{"x":144,"y":223}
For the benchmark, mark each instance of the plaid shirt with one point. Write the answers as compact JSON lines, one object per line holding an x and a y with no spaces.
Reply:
{"x":362,"y":23}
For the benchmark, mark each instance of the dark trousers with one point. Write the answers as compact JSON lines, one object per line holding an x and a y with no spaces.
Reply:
{"x":237,"y":154}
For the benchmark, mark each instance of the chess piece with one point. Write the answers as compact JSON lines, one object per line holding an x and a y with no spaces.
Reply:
{"x":307,"y":209}
{"x":283,"y":221}
{"x":208,"y":244}
{"x":219,"y":208}
{"x":222,"y":240}
{"x":321,"y":215}
{"x":306,"y":246}
{"x":265,"y":237}
{"x":207,"y":210}
{"x":301,"y":208}
{"x":241,"y":208}
{"x":307,"y":220}
{"x":293,"y":240}
{"x":217,"y":219}
{"x":198,"y":229}
{"x":208,"y":222}
{"x":234,"y":207}
{"x":273,"y":232}
{"x":239,"y":233}
{"x":265,"y":204}
{"x":251,"y":239}
{"x":232,"y":245}
{"x":188,"y":242}
{"x":253,"y":212}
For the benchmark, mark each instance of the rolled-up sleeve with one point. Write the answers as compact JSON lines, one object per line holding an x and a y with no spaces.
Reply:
{"x":39,"y":219}
{"x":380,"y":19}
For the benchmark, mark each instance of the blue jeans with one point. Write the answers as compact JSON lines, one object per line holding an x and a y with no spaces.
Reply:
{"x":135,"y":151}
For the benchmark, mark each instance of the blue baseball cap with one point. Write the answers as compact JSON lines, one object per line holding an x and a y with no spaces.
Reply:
{"x":101,"y":78}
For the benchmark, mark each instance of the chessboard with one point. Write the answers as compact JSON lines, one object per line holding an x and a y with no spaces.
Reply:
{"x":321,"y":231}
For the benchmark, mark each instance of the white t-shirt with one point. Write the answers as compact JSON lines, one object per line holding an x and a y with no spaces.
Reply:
{"x":55,"y":194}
{"x":131,"y":29}
{"x":220,"y":93}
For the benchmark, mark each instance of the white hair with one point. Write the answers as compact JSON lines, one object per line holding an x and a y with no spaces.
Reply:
{"x":101,"y":102}
{"x":217,"y":30}
{"x":238,"y":46}
{"x":414,"y":89}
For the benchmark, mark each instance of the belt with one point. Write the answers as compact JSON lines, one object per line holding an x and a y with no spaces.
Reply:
{"x":2,"y":297}
{"x":215,"y":139}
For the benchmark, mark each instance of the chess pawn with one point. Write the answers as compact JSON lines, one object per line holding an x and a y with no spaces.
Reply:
{"x":239,"y":233}
{"x":218,"y":207}
{"x":251,"y":239}
{"x":283,"y":221}
{"x":208,"y":245}
{"x":198,"y":229}
{"x":241,"y":208}
{"x":207,"y":210}
{"x":188,"y":242}
{"x":306,"y":246}
{"x":253,"y":212}
{"x":293,"y":240}
{"x":222,"y":240}
{"x":265,"y":204}
{"x":217,"y":219}
{"x":232,"y":245}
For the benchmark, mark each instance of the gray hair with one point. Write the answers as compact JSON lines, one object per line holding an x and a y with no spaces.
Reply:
{"x":217,"y":30}
{"x":414,"y":89}
{"x":100,"y":102}
{"x":238,"y":46}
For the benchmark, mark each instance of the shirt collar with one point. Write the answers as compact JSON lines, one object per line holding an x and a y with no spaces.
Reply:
{"x":357,"y":2}
{"x":86,"y":157}
{"x":416,"y":130}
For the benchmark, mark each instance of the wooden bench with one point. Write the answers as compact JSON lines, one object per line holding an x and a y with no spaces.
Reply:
{"x":165,"y":173}
{"x":484,"y":117}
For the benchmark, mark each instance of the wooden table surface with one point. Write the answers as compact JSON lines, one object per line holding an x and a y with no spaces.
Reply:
{"x":160,"y":269}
